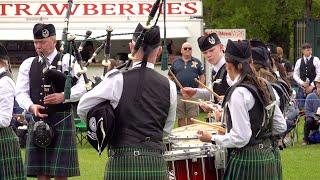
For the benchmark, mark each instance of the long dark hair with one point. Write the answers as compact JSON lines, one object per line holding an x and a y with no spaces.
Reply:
{"x":249,"y":75}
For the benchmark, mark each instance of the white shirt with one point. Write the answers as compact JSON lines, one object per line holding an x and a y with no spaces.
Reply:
{"x":241,"y":101}
{"x":6,"y":100}
{"x":296,"y":72}
{"x":217,"y":67}
{"x":111,"y":89}
{"x":23,"y":81}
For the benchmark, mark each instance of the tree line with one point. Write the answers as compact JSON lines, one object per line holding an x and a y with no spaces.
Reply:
{"x":269,"y":20}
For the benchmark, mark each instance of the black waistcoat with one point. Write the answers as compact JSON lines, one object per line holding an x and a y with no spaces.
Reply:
{"x":307,"y":70}
{"x":36,"y":87}
{"x":142,"y":112}
{"x":260,"y":132}
{"x":219,"y":81}
{"x":3,"y":74}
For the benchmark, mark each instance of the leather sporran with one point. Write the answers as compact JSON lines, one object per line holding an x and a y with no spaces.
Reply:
{"x":42,"y":134}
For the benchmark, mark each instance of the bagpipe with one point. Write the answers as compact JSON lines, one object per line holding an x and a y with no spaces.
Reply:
{"x":101,"y":118}
{"x":54,"y":80}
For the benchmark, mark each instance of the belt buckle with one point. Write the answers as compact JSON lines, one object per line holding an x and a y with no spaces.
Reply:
{"x":260,"y":146}
{"x":136,"y":153}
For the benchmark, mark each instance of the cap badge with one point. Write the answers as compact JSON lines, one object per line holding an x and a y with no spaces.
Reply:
{"x":211,"y":40}
{"x":45,"y":33}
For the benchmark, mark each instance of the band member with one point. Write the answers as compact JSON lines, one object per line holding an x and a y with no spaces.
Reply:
{"x":60,"y":158}
{"x":186,"y":68}
{"x":248,"y":109}
{"x":262,"y":67}
{"x":213,"y":51}
{"x":11,"y":161}
{"x":145,"y":104}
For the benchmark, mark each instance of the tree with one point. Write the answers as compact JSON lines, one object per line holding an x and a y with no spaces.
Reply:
{"x":269,"y":20}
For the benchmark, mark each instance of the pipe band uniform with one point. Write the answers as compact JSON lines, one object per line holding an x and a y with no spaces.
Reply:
{"x":144,"y":105}
{"x":41,"y":89}
{"x":252,"y":117}
{"x":12,"y":166}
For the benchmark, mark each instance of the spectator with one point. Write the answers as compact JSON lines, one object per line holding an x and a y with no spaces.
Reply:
{"x":186,"y":68}
{"x":306,"y":69}
{"x":311,"y":105}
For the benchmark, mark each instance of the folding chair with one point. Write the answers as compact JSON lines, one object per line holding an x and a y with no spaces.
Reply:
{"x":294,"y":132}
{"x":81,"y":129}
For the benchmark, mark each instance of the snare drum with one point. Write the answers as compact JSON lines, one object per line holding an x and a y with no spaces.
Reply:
{"x":193,"y":164}
{"x":186,"y":137}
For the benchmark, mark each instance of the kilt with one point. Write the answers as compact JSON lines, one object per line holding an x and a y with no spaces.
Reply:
{"x":276,"y":152}
{"x":60,"y":158}
{"x":135,"y":167}
{"x":11,"y":164}
{"x":251,"y":163}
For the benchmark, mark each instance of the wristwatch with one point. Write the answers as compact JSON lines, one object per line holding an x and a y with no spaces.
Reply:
{"x":213,"y":142}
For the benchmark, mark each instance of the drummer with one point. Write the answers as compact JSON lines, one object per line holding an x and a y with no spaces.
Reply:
{"x":249,"y":127}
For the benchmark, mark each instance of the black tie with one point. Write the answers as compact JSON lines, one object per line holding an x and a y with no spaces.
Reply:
{"x":213,"y":73}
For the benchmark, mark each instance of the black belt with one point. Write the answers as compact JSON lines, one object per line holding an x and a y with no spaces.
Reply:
{"x":134,"y":154}
{"x":263,"y":145}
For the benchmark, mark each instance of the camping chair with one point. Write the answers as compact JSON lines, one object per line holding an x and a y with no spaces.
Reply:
{"x":293,"y":133}
{"x":81,"y":129}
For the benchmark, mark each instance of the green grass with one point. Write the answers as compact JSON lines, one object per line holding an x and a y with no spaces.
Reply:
{"x":299,"y":162}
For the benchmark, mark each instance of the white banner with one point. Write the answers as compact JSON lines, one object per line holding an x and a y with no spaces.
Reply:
{"x":84,"y":8}
{"x":225,"y":34}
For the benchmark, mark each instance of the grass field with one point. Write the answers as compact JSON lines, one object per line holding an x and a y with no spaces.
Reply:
{"x":299,"y":162}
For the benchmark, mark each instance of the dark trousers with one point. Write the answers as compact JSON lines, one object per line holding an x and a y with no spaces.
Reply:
{"x":301,"y":96}
{"x":309,"y":125}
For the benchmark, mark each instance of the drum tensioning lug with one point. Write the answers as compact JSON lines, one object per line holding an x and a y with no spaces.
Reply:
{"x":220,"y":159}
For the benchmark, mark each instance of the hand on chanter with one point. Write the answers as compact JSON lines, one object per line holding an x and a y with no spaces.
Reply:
{"x":188,"y":92}
{"x":204,"y":136}
{"x":36,"y":110}
{"x":55,"y":98}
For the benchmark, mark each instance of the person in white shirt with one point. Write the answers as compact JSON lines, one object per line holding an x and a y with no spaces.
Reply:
{"x":213,"y":51}
{"x":306,"y":69}
{"x":10,"y":153}
{"x":247,"y":108}
{"x":144,"y":105}
{"x":59,"y":158}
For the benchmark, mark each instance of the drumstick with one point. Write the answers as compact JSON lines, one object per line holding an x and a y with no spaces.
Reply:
{"x":175,"y":79}
{"x":210,"y":90}
{"x":189,"y":101}
{"x":212,"y":125}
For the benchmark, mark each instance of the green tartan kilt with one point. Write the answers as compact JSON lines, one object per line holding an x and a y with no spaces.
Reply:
{"x":277,"y":156}
{"x":139,"y":167}
{"x":251,"y":163}
{"x":11,"y":165}
{"x":60,"y":158}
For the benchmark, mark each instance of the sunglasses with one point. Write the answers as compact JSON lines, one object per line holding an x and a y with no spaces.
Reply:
{"x":187,"y":48}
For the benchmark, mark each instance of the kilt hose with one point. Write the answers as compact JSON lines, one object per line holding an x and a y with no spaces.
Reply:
{"x":11,"y":164}
{"x":251,"y":163}
{"x":143,"y":167}
{"x":60,"y":158}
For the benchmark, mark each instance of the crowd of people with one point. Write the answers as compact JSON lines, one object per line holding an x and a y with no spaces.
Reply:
{"x":256,"y":90}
